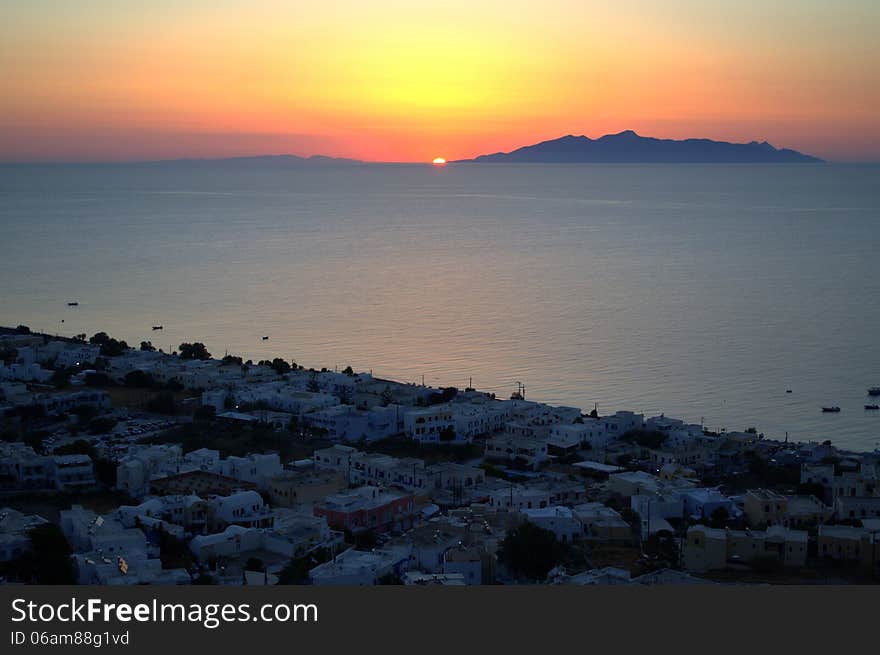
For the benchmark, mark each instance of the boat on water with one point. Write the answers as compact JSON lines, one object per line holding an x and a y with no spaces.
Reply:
{"x":73,"y":304}
{"x":831,"y":410}
{"x":265,"y":338}
{"x":872,"y":406}
{"x":874,"y":391}
{"x":158,"y":327}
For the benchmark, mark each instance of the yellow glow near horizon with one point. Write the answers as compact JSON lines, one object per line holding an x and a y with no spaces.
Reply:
{"x":393,"y":80}
{"x":439,"y":161}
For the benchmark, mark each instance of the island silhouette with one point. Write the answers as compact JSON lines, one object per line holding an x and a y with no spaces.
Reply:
{"x":627,"y":147}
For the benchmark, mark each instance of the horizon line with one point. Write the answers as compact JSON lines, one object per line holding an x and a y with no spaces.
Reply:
{"x":346,"y":161}
{"x":341,"y":159}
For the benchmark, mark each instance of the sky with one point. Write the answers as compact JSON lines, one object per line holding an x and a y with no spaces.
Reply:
{"x":109,"y":80}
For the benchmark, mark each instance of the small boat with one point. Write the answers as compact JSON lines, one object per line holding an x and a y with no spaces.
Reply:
{"x":831,"y":410}
{"x":874,"y":406}
{"x":874,"y":391}
{"x":158,"y":327}
{"x":788,"y":391}
{"x":73,"y":304}
{"x":265,"y":338}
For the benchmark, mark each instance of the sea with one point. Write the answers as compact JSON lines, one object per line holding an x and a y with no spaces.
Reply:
{"x":736,"y":296}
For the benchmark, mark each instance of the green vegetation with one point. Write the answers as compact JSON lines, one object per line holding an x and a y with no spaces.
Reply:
{"x":645,"y":438}
{"x":531,"y":551}
{"x":102,"y":425}
{"x":204,"y":413}
{"x":78,"y":447}
{"x":431,"y":453}
{"x":173,"y":552}
{"x":254,"y":564}
{"x":48,"y":561}
{"x":762,"y":473}
{"x":236,"y":439}
{"x":195,"y":350}
{"x":297,"y":570}
{"x":663,"y":549}
{"x":110,"y":347}
{"x":811,"y":489}
{"x":163,"y":403}
{"x":278,"y":365}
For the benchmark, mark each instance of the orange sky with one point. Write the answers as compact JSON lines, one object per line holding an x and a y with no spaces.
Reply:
{"x":408,"y":81}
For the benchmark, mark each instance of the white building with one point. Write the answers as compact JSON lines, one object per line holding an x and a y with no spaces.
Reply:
{"x":530,"y":451}
{"x":347,"y":423}
{"x":619,"y":423}
{"x":87,"y":531}
{"x":518,"y":498}
{"x":479,"y":419}
{"x":132,"y":567}
{"x":245,"y":508}
{"x":360,"y":568}
{"x":144,"y":463}
{"x":72,"y":472}
{"x":588,"y":430}
{"x":559,"y":520}
{"x":256,"y":468}
{"x":432,"y":424}
{"x":14,"y":530}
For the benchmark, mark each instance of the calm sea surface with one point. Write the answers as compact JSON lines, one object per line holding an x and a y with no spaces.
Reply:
{"x":701,"y":292}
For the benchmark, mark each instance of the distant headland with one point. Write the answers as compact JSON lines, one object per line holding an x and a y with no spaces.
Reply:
{"x":630,"y":148}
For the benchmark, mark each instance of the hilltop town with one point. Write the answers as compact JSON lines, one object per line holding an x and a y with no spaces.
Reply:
{"x":129,"y":465}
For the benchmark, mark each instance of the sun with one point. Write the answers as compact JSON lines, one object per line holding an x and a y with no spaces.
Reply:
{"x":438,"y":161}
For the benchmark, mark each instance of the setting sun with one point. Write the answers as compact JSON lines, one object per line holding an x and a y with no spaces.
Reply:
{"x":439,"y":161}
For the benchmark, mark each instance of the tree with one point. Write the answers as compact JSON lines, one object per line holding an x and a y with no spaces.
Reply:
{"x":313,"y":385}
{"x":644,"y":438}
{"x":811,"y":489}
{"x":139,"y":380}
{"x":147,"y":346}
{"x":446,"y":394}
{"x":102,"y":424}
{"x":664,"y":547}
{"x":110,"y":347}
{"x":84,"y":413}
{"x":8,"y":355}
{"x":719,"y":517}
{"x":196,"y":350}
{"x":348,"y":370}
{"x":163,"y":403}
{"x":297,"y":570}
{"x":254,"y":564}
{"x":530,"y":551}
{"x":447,"y":434}
{"x":61,"y":378}
{"x":204,"y":413}
{"x":389,"y":579}
{"x":105,"y":471}
{"x":279,"y":366}
{"x":48,"y":561}
{"x":78,"y":447}
{"x":99,"y":380}
{"x":173,"y":552}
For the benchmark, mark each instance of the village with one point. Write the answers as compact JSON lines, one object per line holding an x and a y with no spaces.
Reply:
{"x":127,"y":465}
